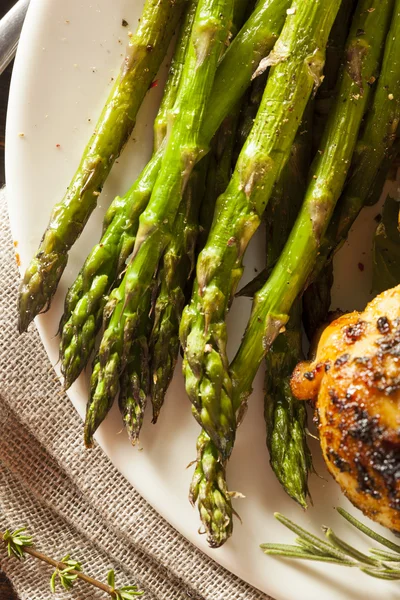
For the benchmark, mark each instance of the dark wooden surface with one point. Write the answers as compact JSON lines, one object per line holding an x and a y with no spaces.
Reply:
{"x":6,"y":591}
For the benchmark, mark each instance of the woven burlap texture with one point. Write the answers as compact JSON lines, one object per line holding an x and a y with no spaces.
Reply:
{"x":74,"y":500}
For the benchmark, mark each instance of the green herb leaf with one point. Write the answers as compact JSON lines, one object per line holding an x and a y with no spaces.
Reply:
{"x":66,"y":576}
{"x":336,"y":550}
{"x":111,"y":578}
{"x":16,"y":541}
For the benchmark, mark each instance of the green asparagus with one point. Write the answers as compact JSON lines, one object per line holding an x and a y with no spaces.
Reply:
{"x":370,"y":163}
{"x":317,"y":297}
{"x":218,"y":172}
{"x":184,"y":148}
{"x":145,"y":53}
{"x":176,"y":267}
{"x":135,"y":383}
{"x":374,"y":145}
{"x":209,"y":491}
{"x":174,"y":75}
{"x":285,"y":417}
{"x":273,"y":302}
{"x":299,"y":59}
{"x":85,"y":300}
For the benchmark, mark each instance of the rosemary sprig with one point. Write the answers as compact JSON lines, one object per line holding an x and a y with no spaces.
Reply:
{"x":378,"y":563}
{"x":67,"y":570}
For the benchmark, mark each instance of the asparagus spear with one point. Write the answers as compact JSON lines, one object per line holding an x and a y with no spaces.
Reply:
{"x":208,"y":487}
{"x":317,"y":297}
{"x":334,"y":59}
{"x":285,"y":420}
{"x":174,"y":75}
{"x":273,"y":302}
{"x":184,"y":148}
{"x":317,"y":302}
{"x":374,"y":145}
{"x":145,"y":52}
{"x":176,"y":267}
{"x":177,"y":264}
{"x":85,"y":300}
{"x":208,"y":490}
{"x":135,"y":381}
{"x":218,"y":172}
{"x":371,"y":160}
{"x":285,"y":417}
{"x":238,"y":214}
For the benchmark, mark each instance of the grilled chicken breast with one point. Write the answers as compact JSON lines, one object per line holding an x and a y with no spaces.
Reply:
{"x":355,"y":381}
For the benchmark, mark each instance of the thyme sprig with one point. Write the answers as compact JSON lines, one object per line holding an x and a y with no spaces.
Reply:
{"x":379,"y":563}
{"x":66,"y":571}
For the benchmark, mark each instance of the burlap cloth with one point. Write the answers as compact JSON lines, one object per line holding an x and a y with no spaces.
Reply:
{"x":74,"y":500}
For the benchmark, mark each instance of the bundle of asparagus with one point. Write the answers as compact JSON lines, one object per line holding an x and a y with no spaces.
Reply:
{"x":145,"y":52}
{"x":136,"y":281}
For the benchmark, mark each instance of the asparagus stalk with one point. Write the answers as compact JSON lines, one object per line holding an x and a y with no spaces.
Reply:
{"x":177,"y":264}
{"x":239,"y":210}
{"x":334,"y":59}
{"x":176,"y":267}
{"x":273,"y":302}
{"x":285,"y":417}
{"x":209,"y":491}
{"x":218,"y":172}
{"x":184,"y":148}
{"x":174,"y":75}
{"x":145,"y":52}
{"x":208,"y":488}
{"x":135,"y":381}
{"x":372,"y":157}
{"x":85,"y":300}
{"x":285,"y":420}
{"x":317,"y":297}
{"x":317,"y":302}
{"x":373,"y":146}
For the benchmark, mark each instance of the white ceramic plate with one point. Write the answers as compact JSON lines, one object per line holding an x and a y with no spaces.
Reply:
{"x":68,"y":53}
